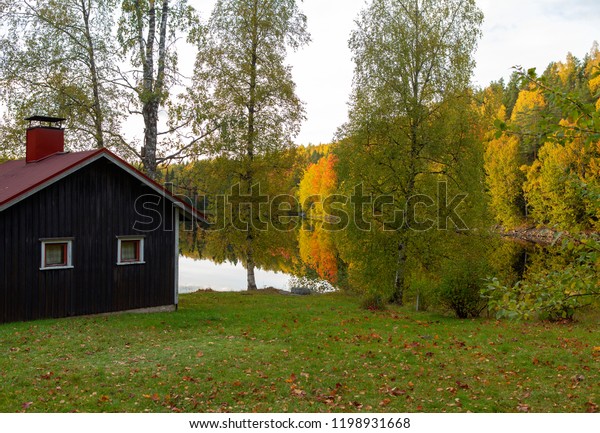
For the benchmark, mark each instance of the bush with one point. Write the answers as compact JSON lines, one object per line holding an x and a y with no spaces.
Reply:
{"x":553,"y":293}
{"x":373,"y":302}
{"x":460,"y":288}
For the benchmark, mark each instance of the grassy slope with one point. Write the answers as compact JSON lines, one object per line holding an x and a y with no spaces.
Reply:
{"x":267,"y":352}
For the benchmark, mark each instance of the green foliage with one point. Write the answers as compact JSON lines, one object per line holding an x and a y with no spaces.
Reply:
{"x":240,"y":70}
{"x":422,"y":293}
{"x":460,"y":287}
{"x":511,"y":93}
{"x":374,"y":302}
{"x":58,"y":58}
{"x":553,"y":291}
{"x":242,"y":84}
{"x":410,"y":127}
{"x":371,"y":258}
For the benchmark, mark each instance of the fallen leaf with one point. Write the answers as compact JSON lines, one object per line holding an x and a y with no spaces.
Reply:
{"x":26,"y":405}
{"x":523,"y":407}
{"x":385,"y":402}
{"x":591,"y":407}
{"x":298,"y":392}
{"x":153,"y":397}
{"x":396,"y":392}
{"x":462,"y":385}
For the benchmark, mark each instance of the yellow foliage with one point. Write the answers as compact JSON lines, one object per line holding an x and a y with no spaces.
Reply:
{"x":319,"y":181}
{"x":504,"y":179}
{"x":501,"y":113}
{"x":594,"y":85}
{"x":528,"y":102}
{"x":566,"y":71}
{"x":592,"y":70}
{"x":563,"y":186}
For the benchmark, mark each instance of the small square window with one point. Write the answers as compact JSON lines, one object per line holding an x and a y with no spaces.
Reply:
{"x":130,"y":250}
{"x":56,"y":254}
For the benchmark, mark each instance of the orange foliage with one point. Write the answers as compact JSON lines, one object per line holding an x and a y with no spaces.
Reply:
{"x":318,"y":251}
{"x":320,"y":179}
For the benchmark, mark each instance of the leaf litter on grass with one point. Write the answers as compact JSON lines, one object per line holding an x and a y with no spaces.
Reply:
{"x":228,"y":352}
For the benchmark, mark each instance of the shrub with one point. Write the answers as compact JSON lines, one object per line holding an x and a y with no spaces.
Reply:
{"x":373,"y":302}
{"x":555,"y":293}
{"x":460,"y":288}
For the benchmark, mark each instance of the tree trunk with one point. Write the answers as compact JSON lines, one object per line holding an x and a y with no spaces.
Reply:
{"x":96,"y":107}
{"x":398,"y":294}
{"x":150,"y":113}
{"x":250,"y":150}
{"x":151,"y":95}
{"x":250,"y":263}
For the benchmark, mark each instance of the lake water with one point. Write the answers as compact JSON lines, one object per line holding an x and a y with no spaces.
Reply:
{"x":320,"y":263}
{"x":224,"y":277}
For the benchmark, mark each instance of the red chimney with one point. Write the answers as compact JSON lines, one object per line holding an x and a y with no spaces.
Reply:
{"x":44,"y":140}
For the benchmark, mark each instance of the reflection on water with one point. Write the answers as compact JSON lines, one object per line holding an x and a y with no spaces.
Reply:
{"x":309,"y":258}
{"x":205,"y":274}
{"x":283,"y":259}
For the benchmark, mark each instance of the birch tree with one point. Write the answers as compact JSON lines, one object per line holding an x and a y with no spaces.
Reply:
{"x":56,"y":58}
{"x":408,"y":119}
{"x":242,"y":71}
{"x":148,"y":31}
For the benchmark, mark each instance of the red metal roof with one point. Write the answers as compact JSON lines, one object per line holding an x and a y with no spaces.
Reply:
{"x":19,"y":179}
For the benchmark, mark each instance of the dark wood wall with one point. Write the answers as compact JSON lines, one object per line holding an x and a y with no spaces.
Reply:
{"x":93,"y":206}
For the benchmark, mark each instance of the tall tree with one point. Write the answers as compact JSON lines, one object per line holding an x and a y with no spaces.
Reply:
{"x":242,"y":71}
{"x":408,"y":121}
{"x":148,"y":30}
{"x":57,"y":58}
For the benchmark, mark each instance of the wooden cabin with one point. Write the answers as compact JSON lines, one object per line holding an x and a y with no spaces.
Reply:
{"x":84,"y":233}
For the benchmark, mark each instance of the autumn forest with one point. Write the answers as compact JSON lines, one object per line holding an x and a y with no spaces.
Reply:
{"x":431,"y":195}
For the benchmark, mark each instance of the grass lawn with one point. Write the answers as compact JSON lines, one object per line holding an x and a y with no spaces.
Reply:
{"x":265,"y":352}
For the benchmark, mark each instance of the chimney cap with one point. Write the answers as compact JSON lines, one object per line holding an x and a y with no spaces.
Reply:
{"x":48,"y":119}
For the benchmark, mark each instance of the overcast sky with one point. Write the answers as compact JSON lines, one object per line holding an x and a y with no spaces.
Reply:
{"x":530,"y":33}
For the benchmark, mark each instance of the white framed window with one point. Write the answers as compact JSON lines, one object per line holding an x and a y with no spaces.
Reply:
{"x":130,"y":250}
{"x":57,"y":253}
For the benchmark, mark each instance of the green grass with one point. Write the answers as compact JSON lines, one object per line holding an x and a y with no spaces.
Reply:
{"x":266,"y":352}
